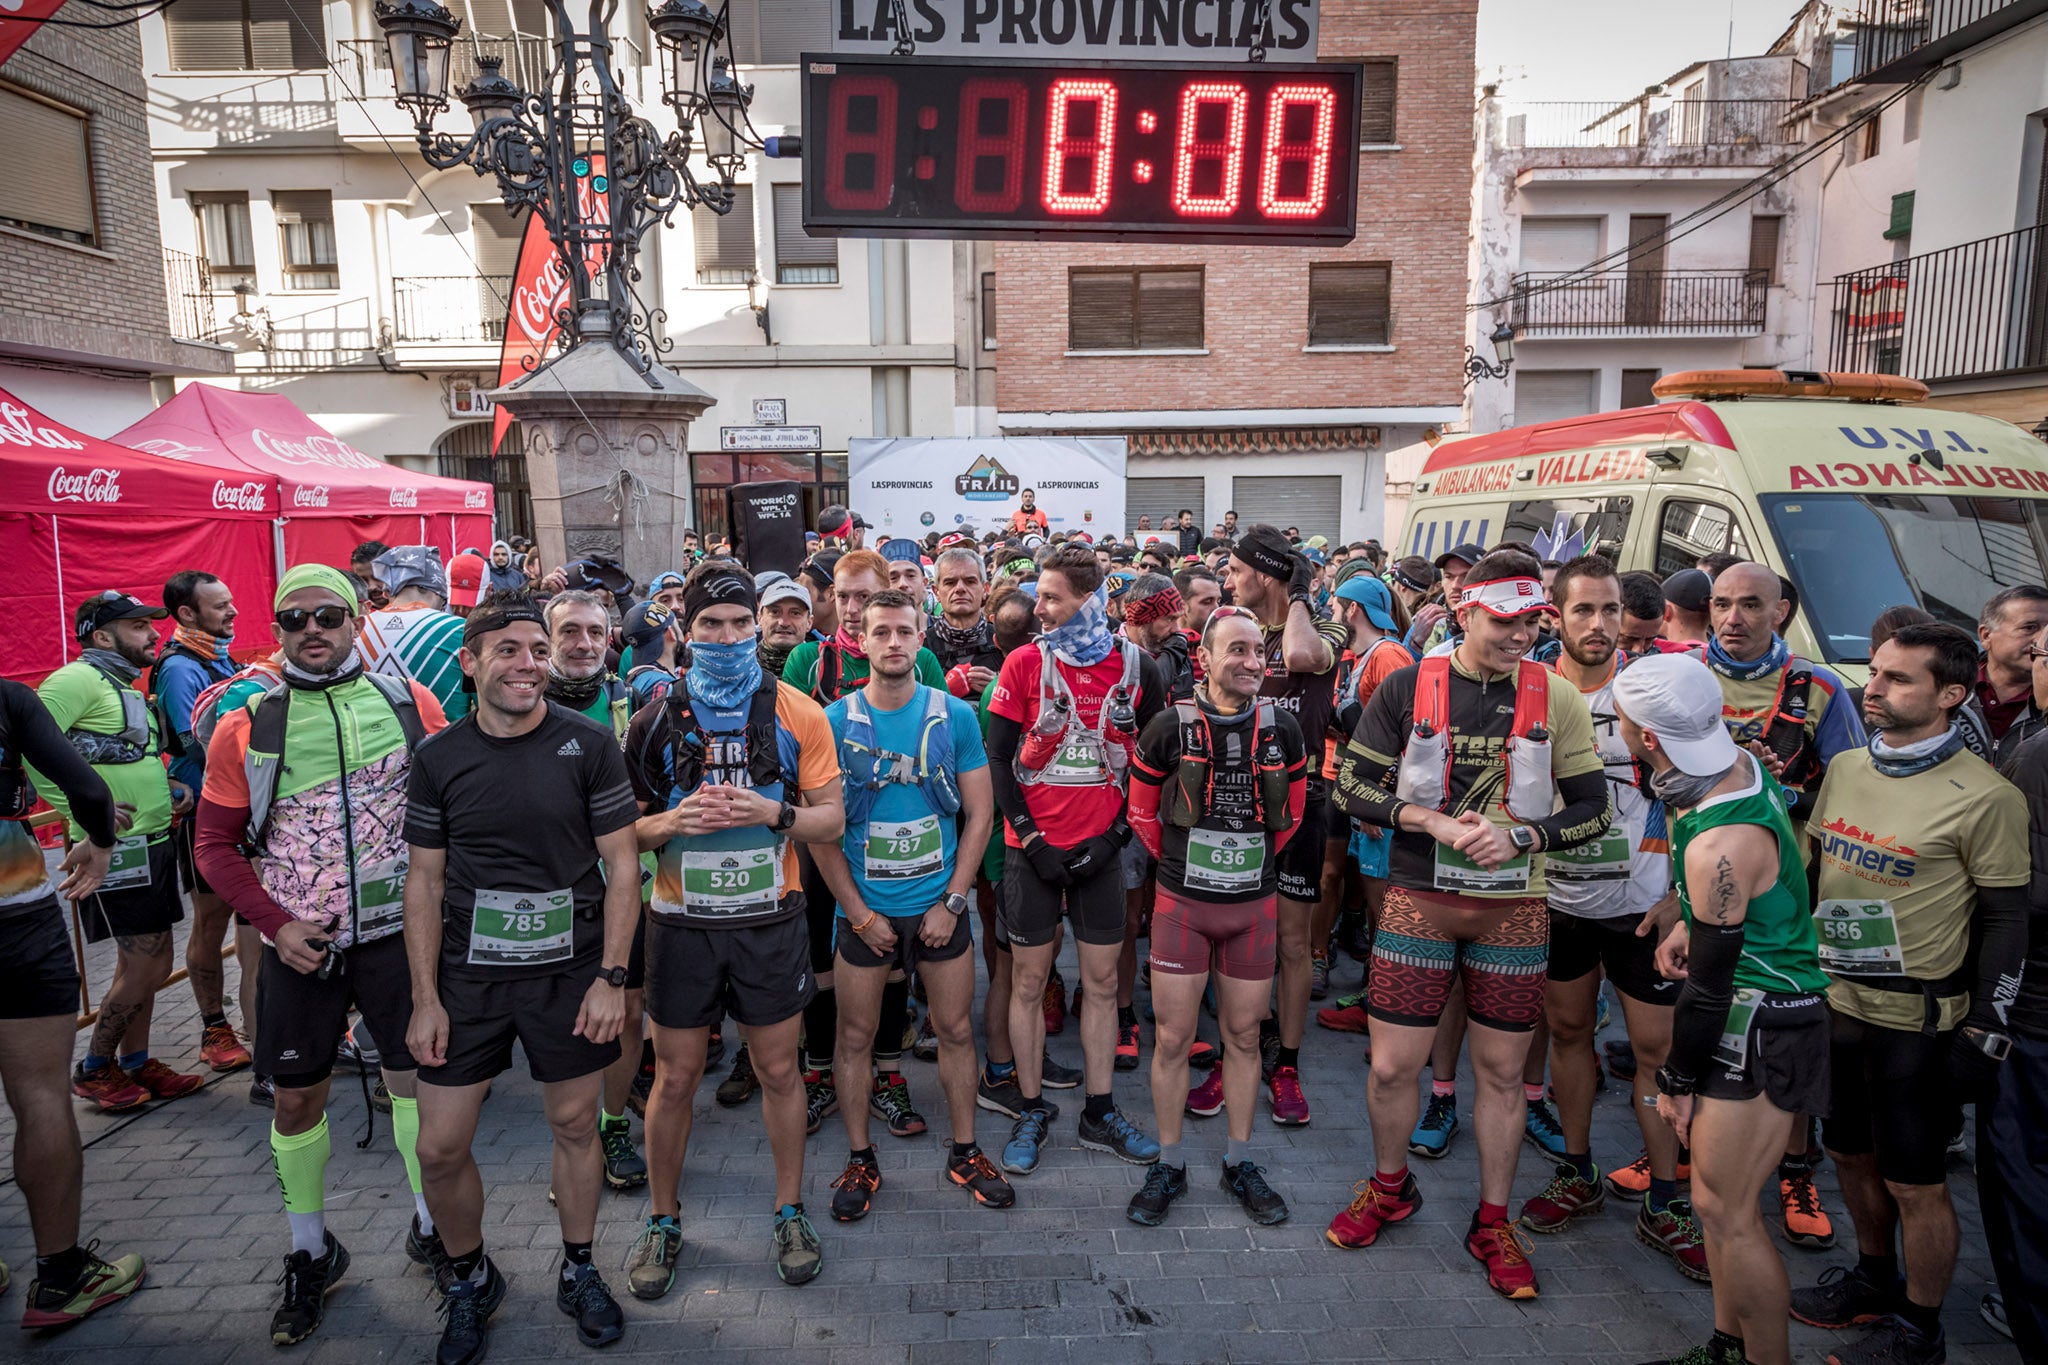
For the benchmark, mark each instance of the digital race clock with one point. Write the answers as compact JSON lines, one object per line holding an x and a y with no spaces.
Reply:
{"x":938,"y":147}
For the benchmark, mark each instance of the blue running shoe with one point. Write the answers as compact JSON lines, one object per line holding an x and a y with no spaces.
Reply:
{"x":1027,"y":1135}
{"x":1432,"y":1137}
{"x":1119,"y":1137}
{"x":1603,"y":1014}
{"x":1541,"y":1129}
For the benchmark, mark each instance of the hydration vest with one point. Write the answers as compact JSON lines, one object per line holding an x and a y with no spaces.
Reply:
{"x":689,"y":747}
{"x":173,"y":746}
{"x":264,"y":759}
{"x":1187,"y":800}
{"x":1425,"y":772}
{"x":1059,"y":728}
{"x":869,"y":767}
{"x":1785,"y":735}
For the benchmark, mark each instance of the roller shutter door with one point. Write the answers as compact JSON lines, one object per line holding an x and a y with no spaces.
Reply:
{"x":1552,"y":395}
{"x":1316,"y":505}
{"x":1160,"y":499}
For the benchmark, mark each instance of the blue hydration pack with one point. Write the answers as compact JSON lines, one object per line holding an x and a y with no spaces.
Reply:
{"x":869,"y":767}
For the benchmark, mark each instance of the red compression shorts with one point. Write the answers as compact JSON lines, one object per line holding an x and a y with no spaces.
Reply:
{"x":1242,"y":939}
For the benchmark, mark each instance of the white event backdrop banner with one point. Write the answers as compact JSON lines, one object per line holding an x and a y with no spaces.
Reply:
{"x":911,"y":485}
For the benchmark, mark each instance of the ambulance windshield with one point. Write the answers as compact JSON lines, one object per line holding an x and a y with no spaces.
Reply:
{"x":1852,"y":555}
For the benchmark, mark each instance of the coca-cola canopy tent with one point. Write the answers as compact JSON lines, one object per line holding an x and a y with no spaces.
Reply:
{"x":332,"y":496}
{"x":79,"y":515}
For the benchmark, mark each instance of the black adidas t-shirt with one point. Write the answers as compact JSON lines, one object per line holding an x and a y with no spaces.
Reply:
{"x":520,"y":819}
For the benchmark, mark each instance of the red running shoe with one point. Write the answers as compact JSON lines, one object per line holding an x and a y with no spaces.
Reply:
{"x":1202,"y":1056}
{"x":1347,"y":1015}
{"x":110,"y":1088}
{"x":1127,"y":1047}
{"x":1506,"y":1258}
{"x":1360,"y":1224}
{"x":1676,"y":1233}
{"x":163,"y":1083}
{"x":221,"y":1050}
{"x":1055,"y":1006}
{"x":1566,"y":1197}
{"x":1206,"y":1099}
{"x":1290,"y":1106}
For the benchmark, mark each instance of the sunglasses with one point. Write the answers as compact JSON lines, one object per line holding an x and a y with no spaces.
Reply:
{"x":292,"y":620}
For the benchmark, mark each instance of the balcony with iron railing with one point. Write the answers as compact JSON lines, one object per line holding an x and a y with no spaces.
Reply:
{"x":1898,"y":40}
{"x":1647,"y":121}
{"x":449,"y":309}
{"x":1646,"y":303}
{"x":188,"y":289}
{"x":1974,"y":311}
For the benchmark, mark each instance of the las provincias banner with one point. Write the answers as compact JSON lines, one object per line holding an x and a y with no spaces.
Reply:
{"x":540,"y":290}
{"x":19,"y":20}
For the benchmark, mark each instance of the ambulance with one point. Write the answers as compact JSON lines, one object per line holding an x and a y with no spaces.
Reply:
{"x":1837,"y":481}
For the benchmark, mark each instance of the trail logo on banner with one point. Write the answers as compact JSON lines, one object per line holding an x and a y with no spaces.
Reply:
{"x":987,"y":481}
{"x":540,"y":291}
{"x":19,"y":20}
{"x":901,"y":482}
{"x":1043,"y":30}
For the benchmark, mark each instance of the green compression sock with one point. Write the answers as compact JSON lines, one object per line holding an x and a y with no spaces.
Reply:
{"x":405,"y":1135}
{"x":302,"y":1167}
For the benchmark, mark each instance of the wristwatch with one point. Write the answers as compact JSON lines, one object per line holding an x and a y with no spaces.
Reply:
{"x":785,"y":819}
{"x":1674,"y":1083}
{"x":955,"y":902}
{"x":612,"y":976}
{"x":1522,"y":837}
{"x":1996,"y":1046}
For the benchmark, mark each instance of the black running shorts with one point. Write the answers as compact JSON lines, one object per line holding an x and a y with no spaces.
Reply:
{"x":760,"y":974}
{"x":485,"y":1017}
{"x":910,"y":950}
{"x":1785,"y":1058}
{"x":1300,"y":864}
{"x":1030,"y":909}
{"x":1579,"y":946}
{"x":137,"y":910}
{"x":38,"y":971}
{"x":300,"y":1018}
{"x":1892,"y":1096}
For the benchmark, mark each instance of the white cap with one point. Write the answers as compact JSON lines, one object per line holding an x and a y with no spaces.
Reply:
{"x":780,"y":587}
{"x":1676,"y":698}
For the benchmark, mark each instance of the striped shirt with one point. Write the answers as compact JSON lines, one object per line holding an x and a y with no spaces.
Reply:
{"x":420,"y":643}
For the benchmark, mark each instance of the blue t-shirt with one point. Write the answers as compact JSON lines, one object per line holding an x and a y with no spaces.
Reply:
{"x":899,"y":825}
{"x":178,"y":680}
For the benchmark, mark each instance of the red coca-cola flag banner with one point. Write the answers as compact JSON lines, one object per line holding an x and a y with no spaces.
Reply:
{"x":540,"y":291}
{"x":19,"y":20}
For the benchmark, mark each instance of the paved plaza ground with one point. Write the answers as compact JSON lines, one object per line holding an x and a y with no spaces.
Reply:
{"x":928,"y":1277}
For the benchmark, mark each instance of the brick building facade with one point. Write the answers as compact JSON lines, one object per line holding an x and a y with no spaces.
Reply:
{"x":1259,"y":397}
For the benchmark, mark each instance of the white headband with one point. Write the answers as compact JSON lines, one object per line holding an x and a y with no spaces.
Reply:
{"x":1505,"y":598}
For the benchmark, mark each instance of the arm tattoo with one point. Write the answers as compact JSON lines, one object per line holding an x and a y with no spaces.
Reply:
{"x":1725,"y":898}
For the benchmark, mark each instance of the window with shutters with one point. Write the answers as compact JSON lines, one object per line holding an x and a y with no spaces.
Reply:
{"x":46,"y":168}
{"x":774,"y":32}
{"x":225,"y":240}
{"x":800,"y":258}
{"x":1765,"y":232}
{"x":1559,"y":244}
{"x":988,"y":310}
{"x":1348,"y":305}
{"x":725,"y":241}
{"x":1376,"y":127}
{"x":1551,"y":395}
{"x":305,"y":230}
{"x":246,"y":35}
{"x":1135,"y":310}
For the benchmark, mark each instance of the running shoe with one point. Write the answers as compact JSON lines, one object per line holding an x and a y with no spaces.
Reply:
{"x":1289,"y":1105}
{"x":221,"y":1050}
{"x":380,"y":1097}
{"x":1676,"y":1233}
{"x":1202,"y":1055}
{"x":1003,"y":1096}
{"x":1053,"y":1076}
{"x":925,"y":1047}
{"x":110,"y":1088}
{"x":1806,"y":1222}
{"x":424,"y":1248}
{"x":643,"y":1086}
{"x":821,"y":1099}
{"x":1127,"y":1047}
{"x":977,"y":1175}
{"x":1845,"y":1297}
{"x":103,"y":1283}
{"x":1895,"y":1342}
{"x":1991,"y":1308}
{"x":1347,"y":1015}
{"x":162,"y":1083}
{"x":467,"y":1305}
{"x":1719,"y":1351}
{"x":1055,"y":1004}
{"x":1633,"y":1180}
{"x":307,"y":1280}
{"x":1439,"y":1124}
{"x":263,"y":1092}
{"x":890,"y":1102}
{"x":1541,"y":1130}
{"x":1621,"y":1058}
{"x":856,"y":1185}
{"x":714,"y":1048}
{"x":739,"y":1087}
{"x":1027,"y":1136}
{"x":624,"y":1167}
{"x":588,"y":1299}
{"x":1269,"y":1052}
{"x":1506,"y":1258}
{"x":1318,"y":973}
{"x":1246,"y":1183}
{"x":1163,"y":1184}
{"x":651,"y":1268}
{"x":1206,"y":1100}
{"x":1118,"y":1136}
{"x":1603,"y":1013}
{"x":348,"y":1055}
{"x":1567,"y":1196}
{"x":1359,"y":1225}
{"x":798,"y":1257}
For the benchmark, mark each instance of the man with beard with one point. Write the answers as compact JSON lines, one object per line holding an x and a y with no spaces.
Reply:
{"x":962,"y":641}
{"x":785,"y":619}
{"x":815,"y":574}
{"x":1610,"y":907}
{"x":520,"y":900}
{"x":1153,"y":609}
{"x":504,"y":575}
{"x":96,"y":704}
{"x":325,"y":890}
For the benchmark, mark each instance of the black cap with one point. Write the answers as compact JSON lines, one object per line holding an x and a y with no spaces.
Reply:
{"x":819,"y":567}
{"x":1689,"y":590}
{"x":646,"y":624}
{"x":1471,"y":554}
{"x":103,"y":609}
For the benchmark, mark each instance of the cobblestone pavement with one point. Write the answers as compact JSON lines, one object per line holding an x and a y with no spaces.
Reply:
{"x":927,"y":1277}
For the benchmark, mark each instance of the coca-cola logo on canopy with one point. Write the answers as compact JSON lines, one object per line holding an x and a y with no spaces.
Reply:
{"x":331,"y":451}
{"x":16,"y":431}
{"x":310,"y":495}
{"x":169,"y":449}
{"x":238,"y":497}
{"x":95,"y":485}
{"x":405,"y":497}
{"x":474,"y":497}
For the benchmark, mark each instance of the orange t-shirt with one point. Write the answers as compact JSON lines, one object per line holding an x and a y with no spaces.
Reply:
{"x":1381,"y":663}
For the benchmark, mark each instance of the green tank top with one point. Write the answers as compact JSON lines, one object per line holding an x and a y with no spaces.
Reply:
{"x":1780,"y":947}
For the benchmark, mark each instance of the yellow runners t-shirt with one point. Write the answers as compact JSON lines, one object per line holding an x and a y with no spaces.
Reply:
{"x":1923,"y":843}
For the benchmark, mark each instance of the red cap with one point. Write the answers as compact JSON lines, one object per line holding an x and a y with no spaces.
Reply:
{"x":465,"y":580}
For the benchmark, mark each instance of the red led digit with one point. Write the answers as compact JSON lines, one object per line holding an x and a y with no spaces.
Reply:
{"x":1301,"y":124}
{"x":1080,"y":142}
{"x":861,"y":173}
{"x":988,"y":168}
{"x":1208,"y":163}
